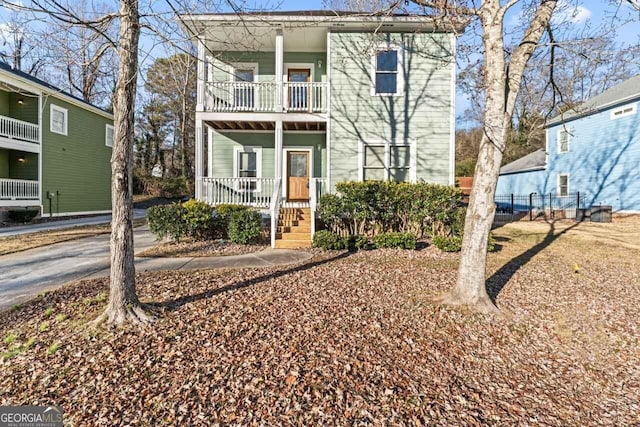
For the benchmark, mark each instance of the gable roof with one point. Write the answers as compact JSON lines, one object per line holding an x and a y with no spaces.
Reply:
{"x":54,"y":90}
{"x":531,"y":162}
{"x":621,"y":93}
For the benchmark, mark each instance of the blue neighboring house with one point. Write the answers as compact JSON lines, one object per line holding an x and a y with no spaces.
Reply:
{"x":594,"y":150}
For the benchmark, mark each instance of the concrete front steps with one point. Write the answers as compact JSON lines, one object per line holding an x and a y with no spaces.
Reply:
{"x":294,"y":228}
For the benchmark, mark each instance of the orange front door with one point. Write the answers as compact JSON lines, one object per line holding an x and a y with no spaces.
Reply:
{"x":297,"y":175}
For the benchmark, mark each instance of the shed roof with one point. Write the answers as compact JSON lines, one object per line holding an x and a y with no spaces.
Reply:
{"x":531,"y":162}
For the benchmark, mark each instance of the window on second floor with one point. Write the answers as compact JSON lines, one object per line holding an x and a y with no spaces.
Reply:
{"x":563,"y":141}
{"x":59,"y":118}
{"x":108,"y":134}
{"x":386,"y":72}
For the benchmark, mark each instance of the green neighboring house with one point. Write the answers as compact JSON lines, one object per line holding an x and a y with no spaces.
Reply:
{"x":290,"y":103}
{"x":55,"y":149}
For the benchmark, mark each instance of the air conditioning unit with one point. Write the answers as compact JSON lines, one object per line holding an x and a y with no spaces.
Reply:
{"x":601,"y":213}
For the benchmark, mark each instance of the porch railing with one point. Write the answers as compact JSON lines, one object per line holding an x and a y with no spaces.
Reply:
{"x":238,"y":191}
{"x":262,"y":96}
{"x":18,"y":129}
{"x":19,"y":189}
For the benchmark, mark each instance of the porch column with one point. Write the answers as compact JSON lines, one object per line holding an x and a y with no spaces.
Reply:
{"x":200,"y":129}
{"x":40,"y":151}
{"x":278,"y":137}
{"x":209,"y":152}
{"x":201,"y":78}
{"x":279,"y":69}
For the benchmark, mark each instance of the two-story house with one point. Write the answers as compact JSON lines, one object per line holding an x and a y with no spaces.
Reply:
{"x":55,"y":149}
{"x":290,"y":103}
{"x":593,"y":150}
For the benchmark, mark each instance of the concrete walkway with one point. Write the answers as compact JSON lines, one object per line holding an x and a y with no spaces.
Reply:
{"x":63,"y":223}
{"x":25,"y":274}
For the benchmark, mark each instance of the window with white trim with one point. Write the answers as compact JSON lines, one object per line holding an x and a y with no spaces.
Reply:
{"x":108,"y":136}
{"x":563,"y":184}
{"x":383,"y":161}
{"x":248,"y":164}
{"x":627,"y":110}
{"x":59,"y":118}
{"x":563,"y":140}
{"x":386,"y":70}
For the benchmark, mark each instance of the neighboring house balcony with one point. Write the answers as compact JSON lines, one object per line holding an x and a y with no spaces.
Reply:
{"x":19,"y":130}
{"x":19,"y":192}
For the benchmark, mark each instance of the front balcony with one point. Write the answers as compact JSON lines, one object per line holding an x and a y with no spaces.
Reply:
{"x":19,"y":130}
{"x":266,"y":97}
{"x":19,"y":192}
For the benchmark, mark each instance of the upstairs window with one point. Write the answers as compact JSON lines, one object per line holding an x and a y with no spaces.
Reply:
{"x":627,"y":110}
{"x":109,"y":136}
{"x":58,"y":120}
{"x":563,"y":141}
{"x":386,"y":76}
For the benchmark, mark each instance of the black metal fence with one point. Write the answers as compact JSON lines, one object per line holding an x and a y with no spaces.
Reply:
{"x":514,"y":207}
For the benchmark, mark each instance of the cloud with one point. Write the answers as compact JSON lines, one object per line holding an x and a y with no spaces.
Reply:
{"x":580,"y":14}
{"x":570,"y":13}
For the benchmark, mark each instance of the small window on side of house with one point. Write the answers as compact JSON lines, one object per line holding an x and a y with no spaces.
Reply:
{"x":108,"y":136}
{"x":627,"y":110}
{"x":563,"y":184}
{"x":59,"y":120}
{"x":563,"y":141}
{"x":383,"y":161}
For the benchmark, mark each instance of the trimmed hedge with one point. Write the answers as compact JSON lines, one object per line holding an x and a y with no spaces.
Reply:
{"x":245,"y":226}
{"x":447,"y":243}
{"x":395,"y":240}
{"x":191,"y":219}
{"x":374,"y":207}
{"x":327,"y":240}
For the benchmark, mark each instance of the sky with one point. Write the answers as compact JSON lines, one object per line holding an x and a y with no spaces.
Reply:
{"x":581,"y":13}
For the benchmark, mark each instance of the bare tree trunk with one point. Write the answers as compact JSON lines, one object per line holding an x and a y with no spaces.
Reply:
{"x":502,"y":86}
{"x":123,"y":301}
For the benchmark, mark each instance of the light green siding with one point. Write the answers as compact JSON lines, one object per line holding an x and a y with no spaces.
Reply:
{"x":224,"y":143}
{"x":76,"y":166}
{"x":422,"y":112}
{"x":266,"y":61}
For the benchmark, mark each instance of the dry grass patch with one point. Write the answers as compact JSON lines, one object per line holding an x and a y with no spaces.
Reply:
{"x":348,"y":339}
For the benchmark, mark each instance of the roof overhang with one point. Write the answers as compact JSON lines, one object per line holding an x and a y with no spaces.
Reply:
{"x":239,"y":29}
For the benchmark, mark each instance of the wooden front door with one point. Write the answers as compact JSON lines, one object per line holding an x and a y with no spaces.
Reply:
{"x":298,"y":175}
{"x":298,"y":93}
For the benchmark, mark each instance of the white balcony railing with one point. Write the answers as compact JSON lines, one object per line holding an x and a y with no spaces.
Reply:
{"x":19,"y":189}
{"x":17,"y":129}
{"x":257,"y":192}
{"x":238,"y":191}
{"x":262,"y":97}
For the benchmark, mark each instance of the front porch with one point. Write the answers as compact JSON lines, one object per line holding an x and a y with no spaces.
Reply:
{"x":268,"y":168}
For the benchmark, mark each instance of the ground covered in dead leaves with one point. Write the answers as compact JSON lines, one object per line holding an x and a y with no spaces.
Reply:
{"x":200,"y":248}
{"x":347,"y":339}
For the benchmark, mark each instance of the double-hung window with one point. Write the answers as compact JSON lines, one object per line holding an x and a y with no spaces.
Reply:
{"x":108,"y":136}
{"x":563,"y":141}
{"x":563,"y":184}
{"x":382,"y":161}
{"x":386,"y":71}
{"x":59,"y":120}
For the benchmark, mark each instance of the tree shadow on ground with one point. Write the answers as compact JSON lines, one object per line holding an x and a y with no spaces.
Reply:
{"x":174,"y":304}
{"x":500,"y":278}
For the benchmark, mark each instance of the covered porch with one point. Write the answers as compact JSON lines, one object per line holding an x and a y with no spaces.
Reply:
{"x":19,"y":184}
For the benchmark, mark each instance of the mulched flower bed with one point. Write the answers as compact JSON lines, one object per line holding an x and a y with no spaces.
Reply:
{"x":200,"y":248}
{"x":346,"y":339}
